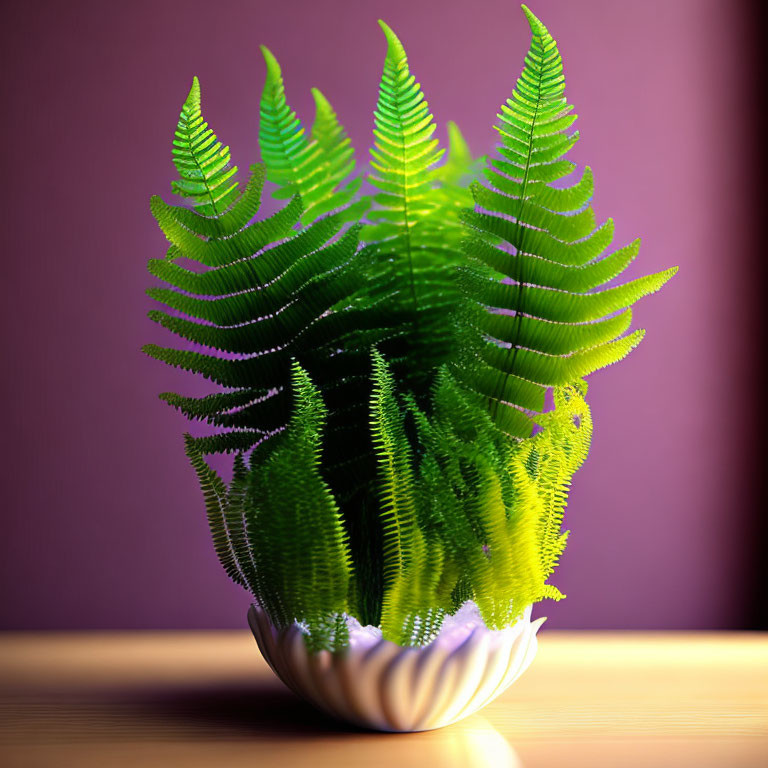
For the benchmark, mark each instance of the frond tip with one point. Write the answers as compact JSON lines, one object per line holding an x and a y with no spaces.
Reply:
{"x":537,"y":28}
{"x":395,"y":51}
{"x":317,"y":167}
{"x":206,"y":177}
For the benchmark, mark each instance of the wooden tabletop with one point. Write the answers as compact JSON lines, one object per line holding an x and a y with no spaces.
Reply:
{"x":207,"y":699}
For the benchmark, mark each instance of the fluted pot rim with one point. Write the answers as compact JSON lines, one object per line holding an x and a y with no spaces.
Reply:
{"x":377,"y":684}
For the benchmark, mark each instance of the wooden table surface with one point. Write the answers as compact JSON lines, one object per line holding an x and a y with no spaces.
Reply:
{"x":207,"y":699}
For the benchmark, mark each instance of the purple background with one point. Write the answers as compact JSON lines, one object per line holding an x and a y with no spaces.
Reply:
{"x":102,"y":520}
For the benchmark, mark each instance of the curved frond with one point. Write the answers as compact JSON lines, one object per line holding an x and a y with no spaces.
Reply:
{"x":459,"y":163}
{"x":411,"y":610}
{"x":540,"y":255}
{"x":410,"y":236}
{"x":234,"y":219}
{"x":300,"y":552}
{"x":394,"y":460}
{"x":259,"y":294}
{"x":206,"y":176}
{"x":317,"y":167}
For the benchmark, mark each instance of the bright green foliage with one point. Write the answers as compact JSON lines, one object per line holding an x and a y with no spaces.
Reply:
{"x":317,"y":168}
{"x":410,"y":237}
{"x":481,"y":515}
{"x":460,"y":163}
{"x":303,"y":576}
{"x":411,"y":611}
{"x":559,"y":329}
{"x":530,"y":540}
{"x":205,"y":173}
{"x":385,"y":403}
{"x":453,"y":177}
{"x":452,"y":194}
{"x":262,"y":300}
{"x":336,"y":150}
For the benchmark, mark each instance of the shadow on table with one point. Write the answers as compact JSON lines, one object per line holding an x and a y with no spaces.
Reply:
{"x":267,"y":710}
{"x":270,"y":712}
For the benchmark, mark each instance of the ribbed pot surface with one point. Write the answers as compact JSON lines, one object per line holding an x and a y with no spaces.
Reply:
{"x":377,"y":684}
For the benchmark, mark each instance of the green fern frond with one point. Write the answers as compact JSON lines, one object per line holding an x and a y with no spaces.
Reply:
{"x":233,"y":220}
{"x":301,"y":558}
{"x":338,"y":157}
{"x":488,"y":551}
{"x":408,"y":236}
{"x":206,"y":177}
{"x":314,"y":167}
{"x":270,"y":303}
{"x":572,"y":279}
{"x":459,"y":164}
{"x":192,"y":242}
{"x":539,"y":319}
{"x":413,"y":564}
{"x":338,"y":153}
{"x":550,"y":460}
{"x":508,"y":583}
{"x":394,"y":461}
{"x":263,"y":294}
{"x":493,"y":507}
{"x":413,"y":609}
{"x":215,"y":494}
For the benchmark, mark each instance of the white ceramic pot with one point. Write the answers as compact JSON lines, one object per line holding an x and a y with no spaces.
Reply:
{"x":376,"y":684}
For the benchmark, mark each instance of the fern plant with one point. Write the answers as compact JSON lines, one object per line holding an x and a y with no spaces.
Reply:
{"x":382,"y":359}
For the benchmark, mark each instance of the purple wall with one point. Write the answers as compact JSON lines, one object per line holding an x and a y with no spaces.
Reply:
{"x":103,"y":523}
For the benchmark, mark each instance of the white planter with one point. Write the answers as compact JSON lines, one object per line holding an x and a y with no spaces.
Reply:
{"x":376,"y":684}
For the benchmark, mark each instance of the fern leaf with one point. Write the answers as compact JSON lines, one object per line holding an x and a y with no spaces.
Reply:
{"x":543,"y":249}
{"x":216,"y":502}
{"x":410,"y":237}
{"x":514,"y":568}
{"x":262,"y":293}
{"x":295,"y":532}
{"x":550,"y":459}
{"x":313,"y":167}
{"x":460,"y":163}
{"x":194,"y":244}
{"x":206,"y":176}
{"x":230,"y":295}
{"x":207,"y":407}
{"x":539,"y":335}
{"x":338,"y":157}
{"x":413,"y":565}
{"x":270,"y":303}
{"x":393,"y":454}
{"x":539,"y":271}
{"x":234,"y":219}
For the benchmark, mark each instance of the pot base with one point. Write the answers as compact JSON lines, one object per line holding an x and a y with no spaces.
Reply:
{"x":376,"y":684}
